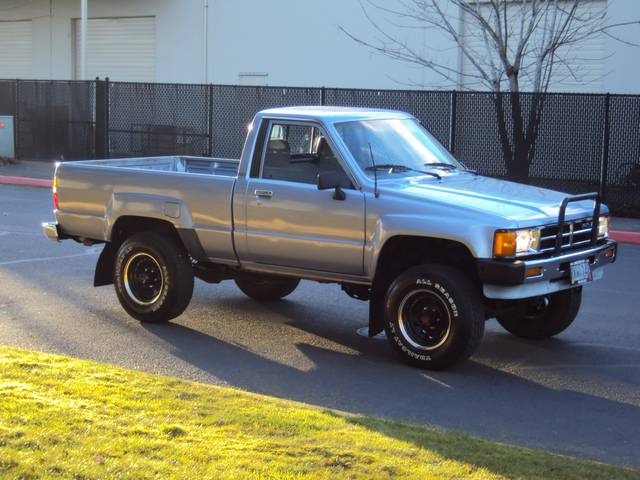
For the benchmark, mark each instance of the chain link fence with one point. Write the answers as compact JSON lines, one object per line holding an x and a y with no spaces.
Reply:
{"x":586,"y":142}
{"x":146,"y":119}
{"x":53,"y":119}
{"x":622,"y":165}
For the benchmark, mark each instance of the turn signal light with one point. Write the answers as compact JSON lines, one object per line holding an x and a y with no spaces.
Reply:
{"x":533,"y":272}
{"x":504,"y":244}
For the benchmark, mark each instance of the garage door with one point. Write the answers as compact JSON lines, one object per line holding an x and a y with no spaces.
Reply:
{"x":16,"y":49}
{"x":581,"y":69}
{"x":123,"y":49}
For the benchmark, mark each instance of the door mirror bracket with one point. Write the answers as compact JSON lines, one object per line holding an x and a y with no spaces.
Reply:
{"x":329,"y":180}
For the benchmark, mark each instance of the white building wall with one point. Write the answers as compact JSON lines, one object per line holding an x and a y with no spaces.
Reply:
{"x":623,"y":61}
{"x":300,"y":43}
{"x":295,"y":42}
{"x":179,"y":38}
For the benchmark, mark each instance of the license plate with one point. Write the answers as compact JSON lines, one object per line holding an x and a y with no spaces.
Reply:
{"x":580,"y":272}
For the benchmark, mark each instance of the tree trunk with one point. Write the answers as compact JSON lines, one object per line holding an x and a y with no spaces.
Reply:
{"x":518,"y":140}
{"x":518,"y":164}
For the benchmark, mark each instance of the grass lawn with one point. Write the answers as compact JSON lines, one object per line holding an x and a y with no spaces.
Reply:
{"x":67,"y":418}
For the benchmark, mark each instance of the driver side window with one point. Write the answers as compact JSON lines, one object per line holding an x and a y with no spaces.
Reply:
{"x":298,"y":153}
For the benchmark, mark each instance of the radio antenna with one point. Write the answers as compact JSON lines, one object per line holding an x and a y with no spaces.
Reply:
{"x":375,"y":173}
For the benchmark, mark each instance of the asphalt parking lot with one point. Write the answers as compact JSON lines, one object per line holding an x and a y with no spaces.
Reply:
{"x":578,"y":393}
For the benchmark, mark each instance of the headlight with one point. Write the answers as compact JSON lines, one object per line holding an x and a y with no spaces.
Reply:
{"x":603,"y":227}
{"x":516,"y":242}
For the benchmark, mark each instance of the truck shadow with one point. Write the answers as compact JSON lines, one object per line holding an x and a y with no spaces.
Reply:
{"x":476,"y":397}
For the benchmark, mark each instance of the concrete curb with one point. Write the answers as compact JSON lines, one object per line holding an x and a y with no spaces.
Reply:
{"x":618,"y":235}
{"x":26,"y":181}
{"x":625,"y":237}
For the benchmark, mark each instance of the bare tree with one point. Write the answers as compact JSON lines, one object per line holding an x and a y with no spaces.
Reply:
{"x":507,"y":45}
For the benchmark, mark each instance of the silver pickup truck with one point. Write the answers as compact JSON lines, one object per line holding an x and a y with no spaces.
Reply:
{"x":360,"y":197}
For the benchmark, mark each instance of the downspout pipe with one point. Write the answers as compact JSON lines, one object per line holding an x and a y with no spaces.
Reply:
{"x":83,"y":39}
{"x":205,"y":46}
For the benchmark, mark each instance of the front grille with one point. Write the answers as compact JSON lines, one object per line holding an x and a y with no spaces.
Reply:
{"x":575,"y":234}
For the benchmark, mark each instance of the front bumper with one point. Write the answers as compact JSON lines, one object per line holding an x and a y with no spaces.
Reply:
{"x":508,"y":279}
{"x":51,"y":230}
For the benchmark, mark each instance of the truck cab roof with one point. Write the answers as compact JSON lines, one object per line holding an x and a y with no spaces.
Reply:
{"x":333,"y":114}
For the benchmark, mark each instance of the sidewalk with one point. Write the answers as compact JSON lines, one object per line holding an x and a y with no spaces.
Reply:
{"x":39,"y":174}
{"x":29,"y":169}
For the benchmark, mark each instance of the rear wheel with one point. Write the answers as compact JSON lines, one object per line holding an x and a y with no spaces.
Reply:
{"x":266,"y":287}
{"x":153,"y":277}
{"x":434,"y":316}
{"x":544,"y":316}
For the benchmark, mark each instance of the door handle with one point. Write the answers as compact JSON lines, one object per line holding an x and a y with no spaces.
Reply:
{"x":263,"y":193}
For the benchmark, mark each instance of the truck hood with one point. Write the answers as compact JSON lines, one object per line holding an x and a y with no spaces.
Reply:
{"x":516,"y":202}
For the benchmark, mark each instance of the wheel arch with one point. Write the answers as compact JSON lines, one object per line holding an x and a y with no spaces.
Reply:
{"x":128,"y":225}
{"x":401,"y":252}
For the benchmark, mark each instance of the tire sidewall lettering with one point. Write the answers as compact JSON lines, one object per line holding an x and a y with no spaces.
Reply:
{"x":448,"y":297}
{"x":423,"y":283}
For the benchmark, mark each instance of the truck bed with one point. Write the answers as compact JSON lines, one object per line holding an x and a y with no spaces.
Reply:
{"x":193,"y":193}
{"x":180,"y":164}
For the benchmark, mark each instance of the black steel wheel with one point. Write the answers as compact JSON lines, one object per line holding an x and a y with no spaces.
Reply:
{"x":153,"y":277}
{"x":143,"y":278}
{"x":434,"y":316}
{"x":542,"y":317}
{"x":424,"y":319}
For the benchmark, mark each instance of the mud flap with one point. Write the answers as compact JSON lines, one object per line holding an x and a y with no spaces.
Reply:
{"x":376,"y":310}
{"x":104,"y":267}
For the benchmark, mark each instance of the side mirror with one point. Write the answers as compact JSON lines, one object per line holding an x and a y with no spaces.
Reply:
{"x":328,"y":180}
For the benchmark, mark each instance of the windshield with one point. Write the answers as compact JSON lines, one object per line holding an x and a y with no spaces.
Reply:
{"x":398,"y":146}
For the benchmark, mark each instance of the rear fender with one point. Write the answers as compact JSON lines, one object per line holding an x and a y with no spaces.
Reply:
{"x":159,"y":207}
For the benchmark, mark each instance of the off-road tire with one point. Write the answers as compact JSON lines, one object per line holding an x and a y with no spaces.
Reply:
{"x":266,"y":288}
{"x":527,"y":321}
{"x":434,"y":316}
{"x":165,"y":265}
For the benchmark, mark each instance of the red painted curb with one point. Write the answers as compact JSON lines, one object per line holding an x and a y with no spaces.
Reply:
{"x":26,"y":181}
{"x":625,"y":237}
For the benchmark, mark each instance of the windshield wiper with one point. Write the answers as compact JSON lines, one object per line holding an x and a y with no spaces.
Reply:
{"x":449,"y":166}
{"x":401,"y":168}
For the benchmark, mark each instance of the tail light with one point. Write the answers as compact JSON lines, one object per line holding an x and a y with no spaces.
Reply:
{"x":55,"y":192}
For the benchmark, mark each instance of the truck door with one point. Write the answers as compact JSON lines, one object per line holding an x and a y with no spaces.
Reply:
{"x":288,"y":221}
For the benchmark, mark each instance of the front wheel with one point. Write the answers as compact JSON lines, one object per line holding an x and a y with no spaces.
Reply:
{"x":153,"y":277}
{"x":434,"y":316}
{"x":542,"y":317}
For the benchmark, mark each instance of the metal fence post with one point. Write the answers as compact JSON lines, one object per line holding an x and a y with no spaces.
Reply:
{"x":99,"y":127}
{"x":323,"y":96}
{"x":16,"y":118}
{"x":452,"y":121}
{"x":210,"y":126}
{"x":107,"y":104}
{"x":606,"y":134}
